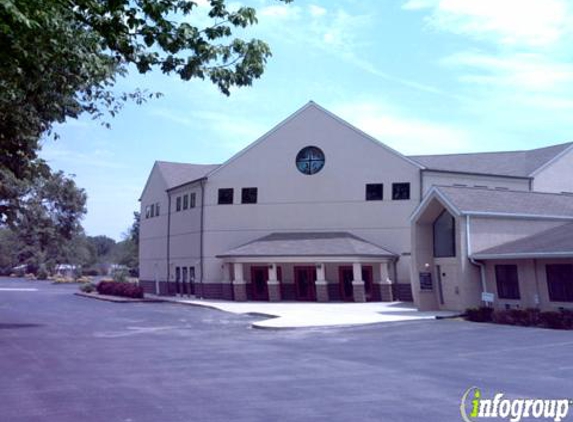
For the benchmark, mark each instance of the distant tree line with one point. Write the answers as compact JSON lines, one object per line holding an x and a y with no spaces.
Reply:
{"x":39,"y":245}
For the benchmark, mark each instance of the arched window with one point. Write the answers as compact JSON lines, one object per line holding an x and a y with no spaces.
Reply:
{"x":444,"y":235}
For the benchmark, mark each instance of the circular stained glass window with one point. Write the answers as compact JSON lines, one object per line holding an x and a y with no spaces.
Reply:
{"x":310,"y":160}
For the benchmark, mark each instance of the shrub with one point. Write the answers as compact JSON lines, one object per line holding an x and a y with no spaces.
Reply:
{"x":551,"y":319}
{"x":87,"y":288}
{"x":567,"y":315}
{"x":42,"y":273}
{"x":481,"y":314}
{"x":120,"y":275}
{"x":114,"y":288}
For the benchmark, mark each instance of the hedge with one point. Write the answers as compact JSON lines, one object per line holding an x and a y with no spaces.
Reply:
{"x":562,"y":320}
{"x":113,"y":288}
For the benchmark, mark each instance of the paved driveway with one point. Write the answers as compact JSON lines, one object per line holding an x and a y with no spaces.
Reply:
{"x":65,"y":358}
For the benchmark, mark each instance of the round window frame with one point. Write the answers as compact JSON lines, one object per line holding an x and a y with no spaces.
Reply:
{"x":310,"y":171}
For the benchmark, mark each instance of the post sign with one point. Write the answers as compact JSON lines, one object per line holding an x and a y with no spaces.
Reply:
{"x":487,"y":297}
{"x":426,"y":281}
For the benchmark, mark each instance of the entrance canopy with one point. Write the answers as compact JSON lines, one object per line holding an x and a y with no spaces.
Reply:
{"x":308,"y":246}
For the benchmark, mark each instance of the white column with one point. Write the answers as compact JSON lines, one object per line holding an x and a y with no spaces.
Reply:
{"x":238,"y":269}
{"x":357,"y":271}
{"x":384,"y":273}
{"x":273,"y":272}
{"x":320,"y":272}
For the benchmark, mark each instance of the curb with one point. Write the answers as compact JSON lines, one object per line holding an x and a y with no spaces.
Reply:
{"x":116,"y":299}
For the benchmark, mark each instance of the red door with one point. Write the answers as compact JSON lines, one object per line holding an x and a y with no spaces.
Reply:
{"x":345,"y":277}
{"x":304,"y":278}
{"x":259,"y":287}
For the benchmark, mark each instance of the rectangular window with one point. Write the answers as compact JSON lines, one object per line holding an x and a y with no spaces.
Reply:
{"x":178,"y":204}
{"x":152,"y":212}
{"x":400,"y":191}
{"x":249,"y":196}
{"x":185,"y":201}
{"x":191,"y":274}
{"x":374,"y":191}
{"x":157,"y":209}
{"x":507,"y":282}
{"x":184,"y":275}
{"x":225,"y":196}
{"x":192,"y":200}
{"x":560,"y":282}
{"x":147,"y":211}
{"x":177,"y":274}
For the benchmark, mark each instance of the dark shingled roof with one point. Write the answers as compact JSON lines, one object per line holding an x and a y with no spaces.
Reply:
{"x":177,"y":174}
{"x":555,"y":242}
{"x":509,"y":163}
{"x":308,"y":244}
{"x":468,"y":200}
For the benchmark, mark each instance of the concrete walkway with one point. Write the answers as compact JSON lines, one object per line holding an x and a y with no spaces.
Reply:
{"x":305,"y":315}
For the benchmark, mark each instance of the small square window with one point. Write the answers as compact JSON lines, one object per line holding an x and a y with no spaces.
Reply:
{"x":192,"y":200}
{"x":225,"y":196}
{"x":157,"y":209}
{"x":185,"y":201}
{"x":178,"y":204}
{"x":249,"y":196}
{"x":374,"y":191}
{"x":400,"y":191}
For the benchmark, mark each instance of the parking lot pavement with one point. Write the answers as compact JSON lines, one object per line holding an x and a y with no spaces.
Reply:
{"x":65,"y":358}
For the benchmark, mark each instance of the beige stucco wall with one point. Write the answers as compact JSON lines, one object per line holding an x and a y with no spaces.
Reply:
{"x":331,"y":200}
{"x":555,"y":177}
{"x":533,"y":288}
{"x":153,"y":231}
{"x":432,"y":178}
{"x":185,"y":233}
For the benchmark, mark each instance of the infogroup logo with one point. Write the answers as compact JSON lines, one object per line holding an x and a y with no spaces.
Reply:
{"x":475,"y":407}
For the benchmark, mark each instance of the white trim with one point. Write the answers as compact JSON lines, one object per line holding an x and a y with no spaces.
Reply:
{"x":550,"y":162}
{"x":525,"y":255}
{"x":434,"y":193}
{"x":303,"y":259}
{"x":295,"y":114}
{"x":517,"y":215}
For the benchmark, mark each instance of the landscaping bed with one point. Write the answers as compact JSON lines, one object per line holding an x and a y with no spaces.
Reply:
{"x":559,"y":320}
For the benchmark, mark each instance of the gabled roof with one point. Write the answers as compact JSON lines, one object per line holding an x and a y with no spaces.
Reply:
{"x":500,"y":203}
{"x":467,"y":200}
{"x":556,"y":242}
{"x":177,"y":174}
{"x":326,"y":244}
{"x":309,"y":105}
{"x":509,"y":163}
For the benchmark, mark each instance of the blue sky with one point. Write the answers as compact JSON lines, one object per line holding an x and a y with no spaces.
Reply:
{"x":423,"y":76}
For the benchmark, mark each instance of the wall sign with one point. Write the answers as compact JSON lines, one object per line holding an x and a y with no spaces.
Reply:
{"x":426,"y":281}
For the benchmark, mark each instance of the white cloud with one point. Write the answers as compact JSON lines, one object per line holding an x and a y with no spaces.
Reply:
{"x":316,"y":11}
{"x":524,"y":71}
{"x":283,"y":11}
{"x":406,"y":134}
{"x":532,"y":23}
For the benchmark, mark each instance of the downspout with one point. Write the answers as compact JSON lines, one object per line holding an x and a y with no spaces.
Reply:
{"x":168,"y":241}
{"x":479,"y":264}
{"x":394,"y":277}
{"x":201,"y":231}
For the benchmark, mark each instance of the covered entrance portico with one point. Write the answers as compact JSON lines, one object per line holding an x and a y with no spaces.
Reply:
{"x":309,"y":267}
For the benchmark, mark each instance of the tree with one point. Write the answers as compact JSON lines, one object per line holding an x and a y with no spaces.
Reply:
{"x":49,"y":220}
{"x":61,"y":58}
{"x":127,"y":251}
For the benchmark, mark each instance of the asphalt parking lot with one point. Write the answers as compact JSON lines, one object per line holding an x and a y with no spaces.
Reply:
{"x":65,"y":358}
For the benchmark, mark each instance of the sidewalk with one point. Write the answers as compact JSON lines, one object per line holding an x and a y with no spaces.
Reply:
{"x":305,"y":314}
